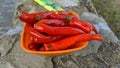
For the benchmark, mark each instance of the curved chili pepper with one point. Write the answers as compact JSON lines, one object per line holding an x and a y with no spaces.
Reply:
{"x":87,"y":27}
{"x":37,"y":37}
{"x":34,"y":46}
{"x":62,"y":17}
{"x":27,"y":18}
{"x":92,"y":27}
{"x":23,"y":12}
{"x":53,"y":22}
{"x":69,"y":41}
{"x":32,"y":18}
{"x":57,"y":30}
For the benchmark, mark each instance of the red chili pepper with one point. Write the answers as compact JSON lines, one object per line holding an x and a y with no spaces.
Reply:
{"x":53,"y":29}
{"x":27,"y":18}
{"x":87,"y":27}
{"x":23,"y":12}
{"x":34,"y":46}
{"x":69,"y":41}
{"x":32,"y":18}
{"x":92,"y":27}
{"x":57,"y":30}
{"x":37,"y":37}
{"x":53,"y":22}
{"x":62,"y":17}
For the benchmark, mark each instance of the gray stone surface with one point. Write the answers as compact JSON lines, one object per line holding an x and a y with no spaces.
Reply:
{"x":67,"y":3}
{"x":13,"y":56}
{"x":6,"y":14}
{"x":95,"y":55}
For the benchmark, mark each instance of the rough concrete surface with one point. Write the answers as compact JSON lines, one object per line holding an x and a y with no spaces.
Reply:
{"x":95,"y":55}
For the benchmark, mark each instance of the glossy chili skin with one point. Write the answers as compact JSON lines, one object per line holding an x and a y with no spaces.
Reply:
{"x":53,"y":22}
{"x":92,"y":27}
{"x":34,"y":46}
{"x":57,"y":30}
{"x":32,"y":18}
{"x":87,"y":27}
{"x":62,"y":17}
{"x":37,"y":37}
{"x":69,"y":41}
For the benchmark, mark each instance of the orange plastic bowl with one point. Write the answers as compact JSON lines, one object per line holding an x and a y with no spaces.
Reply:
{"x":25,"y":41}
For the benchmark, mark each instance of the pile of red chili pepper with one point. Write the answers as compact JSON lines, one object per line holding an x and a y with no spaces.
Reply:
{"x":57,"y":30}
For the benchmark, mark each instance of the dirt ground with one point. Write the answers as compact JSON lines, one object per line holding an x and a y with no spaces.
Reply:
{"x":110,"y":11}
